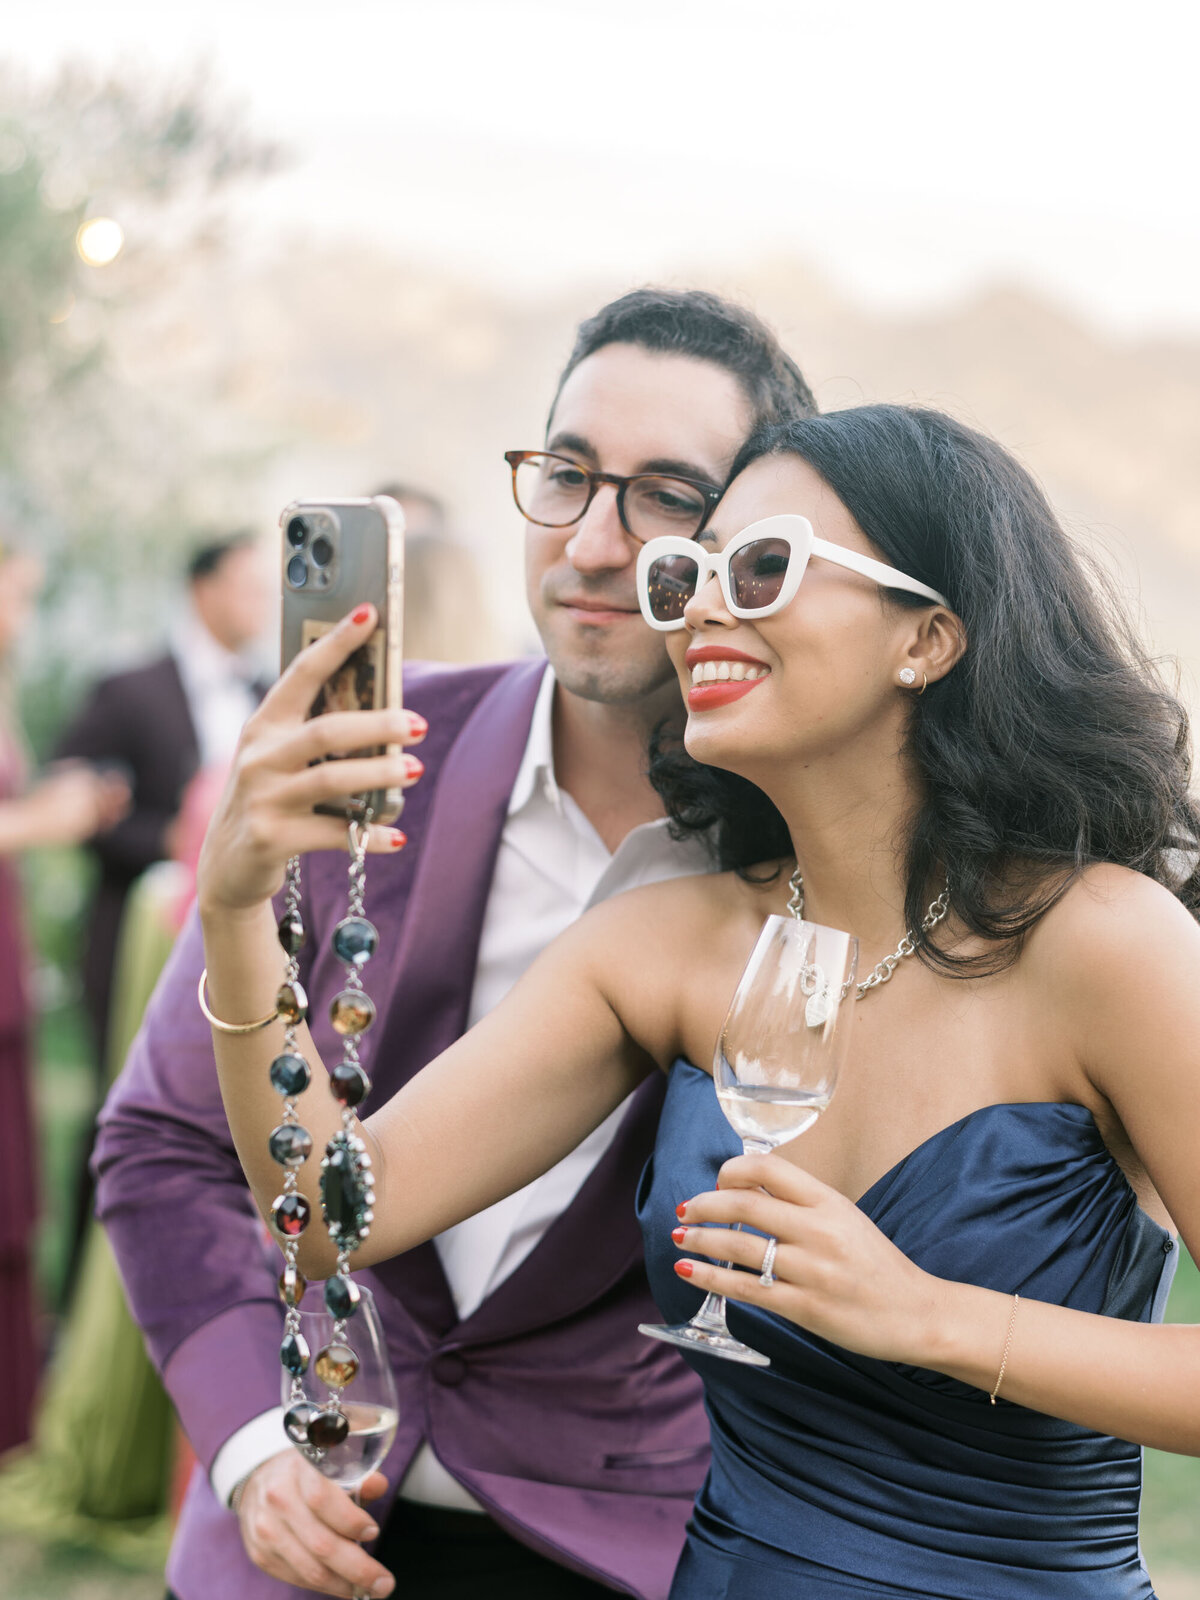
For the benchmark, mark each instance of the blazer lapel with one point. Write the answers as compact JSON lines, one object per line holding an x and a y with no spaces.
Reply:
{"x":589,"y":1247}
{"x":434,"y":971}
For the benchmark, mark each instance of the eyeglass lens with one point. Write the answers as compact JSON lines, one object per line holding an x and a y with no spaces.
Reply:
{"x":554,"y":492}
{"x":756,"y":574}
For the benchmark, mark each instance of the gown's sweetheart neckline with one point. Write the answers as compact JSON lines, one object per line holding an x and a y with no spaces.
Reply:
{"x":863,"y":1201}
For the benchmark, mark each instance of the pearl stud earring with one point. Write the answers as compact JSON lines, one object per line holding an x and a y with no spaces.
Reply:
{"x":907,"y":676}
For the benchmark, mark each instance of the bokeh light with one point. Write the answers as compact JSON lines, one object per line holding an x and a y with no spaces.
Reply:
{"x":99,"y":241}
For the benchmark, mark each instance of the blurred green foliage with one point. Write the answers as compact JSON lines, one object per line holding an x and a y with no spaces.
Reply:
{"x":112,"y":460}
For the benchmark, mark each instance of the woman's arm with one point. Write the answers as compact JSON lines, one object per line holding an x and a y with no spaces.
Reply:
{"x":1122,"y":972}
{"x":501,"y":1106}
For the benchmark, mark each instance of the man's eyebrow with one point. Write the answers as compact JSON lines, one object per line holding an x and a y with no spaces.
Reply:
{"x":665,"y":466}
{"x":671,"y":468}
{"x":572,"y":441}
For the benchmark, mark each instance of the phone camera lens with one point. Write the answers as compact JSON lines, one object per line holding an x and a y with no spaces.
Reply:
{"x":322,"y":550}
{"x":297,"y":571}
{"x":297,"y":531}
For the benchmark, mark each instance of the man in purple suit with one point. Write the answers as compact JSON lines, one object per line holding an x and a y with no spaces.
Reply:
{"x":544,"y":1448}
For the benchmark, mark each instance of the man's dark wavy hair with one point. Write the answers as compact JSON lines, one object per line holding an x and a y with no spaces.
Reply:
{"x":1052,"y":744}
{"x":697,"y":323}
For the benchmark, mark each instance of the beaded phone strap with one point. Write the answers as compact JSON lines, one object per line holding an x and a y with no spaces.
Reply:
{"x":347,"y":1194}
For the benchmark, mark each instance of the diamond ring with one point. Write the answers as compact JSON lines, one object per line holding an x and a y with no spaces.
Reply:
{"x":767,"y":1276}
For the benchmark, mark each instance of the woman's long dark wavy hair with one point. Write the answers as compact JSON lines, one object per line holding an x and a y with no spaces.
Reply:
{"x":1052,"y":743}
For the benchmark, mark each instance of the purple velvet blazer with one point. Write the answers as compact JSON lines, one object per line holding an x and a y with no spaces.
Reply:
{"x":584,"y":1439}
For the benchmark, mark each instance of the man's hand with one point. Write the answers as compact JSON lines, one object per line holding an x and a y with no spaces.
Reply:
{"x":301,"y":1528}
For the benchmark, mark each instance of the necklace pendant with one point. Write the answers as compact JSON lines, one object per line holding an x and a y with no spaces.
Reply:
{"x":816,"y":1012}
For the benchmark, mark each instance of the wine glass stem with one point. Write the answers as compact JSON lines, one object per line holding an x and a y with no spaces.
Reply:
{"x":711,"y":1314}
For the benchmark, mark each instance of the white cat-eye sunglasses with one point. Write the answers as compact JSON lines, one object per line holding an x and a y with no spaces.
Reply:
{"x":759,"y":571}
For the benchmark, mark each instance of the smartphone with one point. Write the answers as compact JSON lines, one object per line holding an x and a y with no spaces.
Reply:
{"x":336,"y":555}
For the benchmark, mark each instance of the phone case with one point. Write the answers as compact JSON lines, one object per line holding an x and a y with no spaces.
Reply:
{"x":364,"y":540}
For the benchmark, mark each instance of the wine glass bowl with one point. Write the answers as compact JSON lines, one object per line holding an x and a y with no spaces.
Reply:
{"x":364,"y":1388}
{"x":775,"y":1068}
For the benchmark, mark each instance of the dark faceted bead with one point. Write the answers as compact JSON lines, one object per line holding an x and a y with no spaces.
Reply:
{"x":290,"y":1214}
{"x":292,"y":1284}
{"x":328,"y":1429}
{"x":291,"y":932}
{"x":291,"y":1003}
{"x":341,"y":1297}
{"x":290,"y":1075}
{"x":352,"y":1011}
{"x":345,"y":1192}
{"x":355,"y":941}
{"x":349,"y":1084}
{"x":293,"y":1352}
{"x":290,"y":1144}
{"x":298,"y":1419}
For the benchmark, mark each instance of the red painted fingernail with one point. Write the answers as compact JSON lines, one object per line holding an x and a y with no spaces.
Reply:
{"x":679,"y":1235}
{"x":681,"y":1210}
{"x":359,"y":616}
{"x":718,"y":1183}
{"x":413,"y":766}
{"x":396,"y":839}
{"x":417,"y":723}
{"x":684,"y":1268}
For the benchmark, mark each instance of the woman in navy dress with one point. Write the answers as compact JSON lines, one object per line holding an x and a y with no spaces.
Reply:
{"x":1020,"y":1111}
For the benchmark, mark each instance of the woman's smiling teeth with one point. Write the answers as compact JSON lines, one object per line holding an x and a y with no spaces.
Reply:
{"x":727,"y":671}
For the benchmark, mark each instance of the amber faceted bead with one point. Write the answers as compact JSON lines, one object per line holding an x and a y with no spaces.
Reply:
{"x":292,"y":1284}
{"x":328,"y":1429}
{"x":291,"y":932}
{"x":297,"y":1420}
{"x":336,"y":1365}
{"x":352,"y":1012}
{"x":349,"y":1084}
{"x":290,"y":1214}
{"x":291,"y":1003}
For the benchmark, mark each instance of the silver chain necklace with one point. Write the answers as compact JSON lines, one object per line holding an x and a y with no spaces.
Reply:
{"x":907,"y":946}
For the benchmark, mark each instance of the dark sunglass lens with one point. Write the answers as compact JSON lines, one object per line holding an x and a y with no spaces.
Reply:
{"x":757,"y":571}
{"x":550,"y":490}
{"x":658,"y":506}
{"x":671,"y":583}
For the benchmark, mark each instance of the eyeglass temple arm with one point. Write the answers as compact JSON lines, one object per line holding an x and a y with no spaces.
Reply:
{"x":887,"y":577}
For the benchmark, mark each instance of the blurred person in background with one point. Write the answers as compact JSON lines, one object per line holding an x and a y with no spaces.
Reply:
{"x":68,"y":805}
{"x":446,"y":613}
{"x":544,"y":1449}
{"x":164,"y":721}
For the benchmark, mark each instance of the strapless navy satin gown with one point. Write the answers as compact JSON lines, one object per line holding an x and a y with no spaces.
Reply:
{"x":836,"y":1475}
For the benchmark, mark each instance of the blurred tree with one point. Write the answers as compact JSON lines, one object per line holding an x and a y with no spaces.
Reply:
{"x":109,"y":476}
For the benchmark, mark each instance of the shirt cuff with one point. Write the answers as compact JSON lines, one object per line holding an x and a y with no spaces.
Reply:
{"x":257,"y":1441}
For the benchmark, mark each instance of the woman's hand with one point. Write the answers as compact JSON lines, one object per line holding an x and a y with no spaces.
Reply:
{"x":836,"y":1274}
{"x":266,"y":812}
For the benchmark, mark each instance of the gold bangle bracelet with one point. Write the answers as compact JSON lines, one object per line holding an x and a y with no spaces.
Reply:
{"x":228,"y":1027}
{"x":1012,"y":1317}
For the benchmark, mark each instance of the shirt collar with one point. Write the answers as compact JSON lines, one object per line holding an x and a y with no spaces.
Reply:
{"x":536,"y":772}
{"x":205,"y":660}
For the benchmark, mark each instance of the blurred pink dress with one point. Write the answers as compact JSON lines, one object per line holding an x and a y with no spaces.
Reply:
{"x":18,"y":1146}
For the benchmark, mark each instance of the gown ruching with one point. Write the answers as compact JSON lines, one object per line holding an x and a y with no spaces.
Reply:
{"x":834,"y":1474}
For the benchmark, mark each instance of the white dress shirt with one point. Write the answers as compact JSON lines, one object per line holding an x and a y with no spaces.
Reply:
{"x":551,"y":866}
{"x":219,"y":685}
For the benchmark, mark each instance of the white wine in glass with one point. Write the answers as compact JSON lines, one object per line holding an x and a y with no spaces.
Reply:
{"x":775,"y":1069}
{"x":368,"y":1399}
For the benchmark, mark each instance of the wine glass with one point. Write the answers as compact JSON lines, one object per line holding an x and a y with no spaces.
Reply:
{"x":368,"y":1399}
{"x":775,"y":1068}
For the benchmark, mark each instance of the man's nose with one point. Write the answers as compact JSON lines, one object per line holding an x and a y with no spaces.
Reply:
{"x":600,"y":543}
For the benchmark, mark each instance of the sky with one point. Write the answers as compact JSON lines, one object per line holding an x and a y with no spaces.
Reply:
{"x":913,"y":153}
